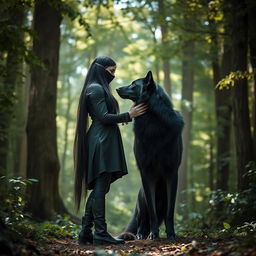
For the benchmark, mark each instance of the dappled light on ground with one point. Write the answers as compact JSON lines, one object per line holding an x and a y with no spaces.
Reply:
{"x":196,"y":246}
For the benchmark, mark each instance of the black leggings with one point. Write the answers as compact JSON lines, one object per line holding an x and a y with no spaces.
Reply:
{"x":101,"y":188}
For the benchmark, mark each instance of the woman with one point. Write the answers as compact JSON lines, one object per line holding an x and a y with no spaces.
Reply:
{"x":98,"y":153}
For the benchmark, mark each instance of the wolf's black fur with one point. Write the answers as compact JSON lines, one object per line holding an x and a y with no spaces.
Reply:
{"x":158,"y":151}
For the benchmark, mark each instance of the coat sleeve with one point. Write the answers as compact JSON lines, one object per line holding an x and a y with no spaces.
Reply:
{"x":96,"y":96}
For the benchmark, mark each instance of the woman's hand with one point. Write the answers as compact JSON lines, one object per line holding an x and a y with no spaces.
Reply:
{"x":137,"y":110}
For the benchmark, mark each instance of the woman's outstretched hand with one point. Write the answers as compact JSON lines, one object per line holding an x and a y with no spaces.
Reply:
{"x":137,"y":110}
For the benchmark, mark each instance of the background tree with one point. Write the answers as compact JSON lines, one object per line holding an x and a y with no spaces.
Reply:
{"x":251,"y":7}
{"x":243,"y":139}
{"x":187,"y":71}
{"x":14,"y":52}
{"x":221,"y":66}
{"x":43,"y":163}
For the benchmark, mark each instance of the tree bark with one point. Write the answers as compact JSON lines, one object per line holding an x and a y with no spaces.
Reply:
{"x":43,"y":163}
{"x":156,"y":62}
{"x":67,"y":122}
{"x":21,"y":111}
{"x":186,"y":109}
{"x":252,"y":45}
{"x":13,"y":62}
{"x":222,"y":105}
{"x":243,"y":139}
{"x":211,"y":160}
{"x":21,"y":143}
{"x":165,"y":55}
{"x":223,"y":115}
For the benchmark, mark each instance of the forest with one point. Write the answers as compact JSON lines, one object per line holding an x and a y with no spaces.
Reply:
{"x":202,"y":52}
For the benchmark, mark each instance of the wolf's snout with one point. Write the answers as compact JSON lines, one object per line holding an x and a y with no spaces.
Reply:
{"x":120,"y":91}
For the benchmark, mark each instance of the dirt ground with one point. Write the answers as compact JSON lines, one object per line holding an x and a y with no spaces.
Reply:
{"x":195,"y":246}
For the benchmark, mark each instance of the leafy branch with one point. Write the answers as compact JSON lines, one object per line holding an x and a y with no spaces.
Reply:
{"x":232,"y":77}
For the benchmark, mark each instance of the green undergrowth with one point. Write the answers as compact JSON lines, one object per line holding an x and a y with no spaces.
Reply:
{"x":21,"y":224}
{"x":61,"y":228}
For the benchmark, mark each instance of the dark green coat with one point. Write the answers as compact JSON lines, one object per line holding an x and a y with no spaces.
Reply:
{"x":105,"y":147}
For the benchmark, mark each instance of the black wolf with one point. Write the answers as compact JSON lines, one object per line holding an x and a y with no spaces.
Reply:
{"x":158,"y":151}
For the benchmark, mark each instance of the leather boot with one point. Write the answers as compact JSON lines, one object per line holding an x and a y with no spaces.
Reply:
{"x":101,"y":236}
{"x":85,"y":236}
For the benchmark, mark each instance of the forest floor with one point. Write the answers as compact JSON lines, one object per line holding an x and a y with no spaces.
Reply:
{"x":194,"y":246}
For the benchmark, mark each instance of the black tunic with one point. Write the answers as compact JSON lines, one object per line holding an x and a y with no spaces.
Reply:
{"x":105,"y":147}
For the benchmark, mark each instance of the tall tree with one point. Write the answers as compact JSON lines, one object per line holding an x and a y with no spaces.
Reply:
{"x":222,"y":97}
{"x":252,"y":45}
{"x":43,"y":163}
{"x":186,"y":109}
{"x":188,"y":61}
{"x":67,"y":124}
{"x":165,"y":41}
{"x":239,"y":40}
{"x":13,"y":47}
{"x":19,"y":124}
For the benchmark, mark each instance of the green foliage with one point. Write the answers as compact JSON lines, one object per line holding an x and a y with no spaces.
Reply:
{"x":67,"y":226}
{"x":12,"y":34}
{"x":13,"y":215}
{"x":61,"y":228}
{"x":215,"y":11}
{"x":72,"y":9}
{"x":234,"y":208}
{"x":226,"y":213}
{"x":13,"y":203}
{"x":194,"y":224}
{"x":247,"y":227}
{"x":232,"y":77}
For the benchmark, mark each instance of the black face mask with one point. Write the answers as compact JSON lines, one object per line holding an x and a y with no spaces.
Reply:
{"x":109,"y":76}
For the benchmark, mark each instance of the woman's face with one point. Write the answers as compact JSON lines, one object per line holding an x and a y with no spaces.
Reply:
{"x":111,"y":70}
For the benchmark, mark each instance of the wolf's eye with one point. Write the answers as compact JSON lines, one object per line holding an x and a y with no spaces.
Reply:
{"x":132,"y":85}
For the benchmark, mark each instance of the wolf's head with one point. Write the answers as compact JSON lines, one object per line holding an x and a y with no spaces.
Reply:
{"x":139,"y":90}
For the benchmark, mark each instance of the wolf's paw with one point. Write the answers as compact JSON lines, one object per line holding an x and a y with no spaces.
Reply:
{"x":171,"y":236}
{"x":127,"y":236}
{"x":140,"y":236}
{"x":153,"y":236}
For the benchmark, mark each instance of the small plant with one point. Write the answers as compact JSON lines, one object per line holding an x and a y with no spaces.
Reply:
{"x":13,"y":203}
{"x":234,"y":208}
{"x":68,"y":226}
{"x":13,"y":215}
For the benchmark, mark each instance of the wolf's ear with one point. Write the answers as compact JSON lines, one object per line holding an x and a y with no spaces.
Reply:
{"x":149,"y":81}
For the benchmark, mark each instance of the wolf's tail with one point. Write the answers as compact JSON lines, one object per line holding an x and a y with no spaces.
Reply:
{"x":131,"y":229}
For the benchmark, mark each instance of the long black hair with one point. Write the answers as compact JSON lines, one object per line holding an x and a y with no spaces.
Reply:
{"x":97,"y":73}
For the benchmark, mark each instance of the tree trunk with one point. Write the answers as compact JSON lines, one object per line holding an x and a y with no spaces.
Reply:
{"x":156,"y":62}
{"x":243,"y":138}
{"x":67,"y":117}
{"x":167,"y":80}
{"x":43,"y":164}
{"x":13,"y":62}
{"x":223,"y":115}
{"x":252,"y":44}
{"x":222,"y":106}
{"x":211,"y":160}
{"x":21,"y":162}
{"x":186,"y":109}
{"x":20,"y":121}
{"x":165,"y":55}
